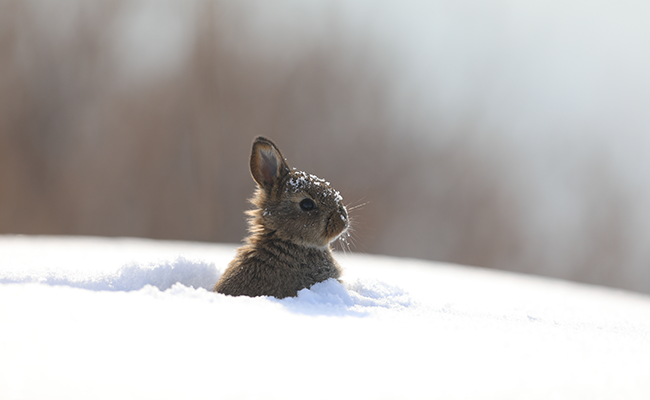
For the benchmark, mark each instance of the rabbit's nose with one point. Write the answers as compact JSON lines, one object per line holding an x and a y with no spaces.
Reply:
{"x":343,"y":212}
{"x":336,"y":224}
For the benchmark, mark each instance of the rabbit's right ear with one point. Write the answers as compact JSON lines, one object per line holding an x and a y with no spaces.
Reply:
{"x":267,"y":164}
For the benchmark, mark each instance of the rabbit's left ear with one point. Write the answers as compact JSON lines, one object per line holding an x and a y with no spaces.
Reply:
{"x":267,"y":164}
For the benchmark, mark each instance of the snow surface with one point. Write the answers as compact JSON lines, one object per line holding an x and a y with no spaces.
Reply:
{"x":103,"y":318}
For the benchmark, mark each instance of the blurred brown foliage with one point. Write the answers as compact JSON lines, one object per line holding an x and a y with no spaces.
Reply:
{"x":83,"y":153}
{"x":168,"y":159}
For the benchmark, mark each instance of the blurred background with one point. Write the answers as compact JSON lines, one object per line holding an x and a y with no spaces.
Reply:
{"x":506,"y":134}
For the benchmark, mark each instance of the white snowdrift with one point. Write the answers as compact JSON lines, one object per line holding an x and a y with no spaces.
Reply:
{"x":90,"y":318}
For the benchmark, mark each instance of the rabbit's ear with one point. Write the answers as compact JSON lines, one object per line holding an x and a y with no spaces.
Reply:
{"x":268,"y":165}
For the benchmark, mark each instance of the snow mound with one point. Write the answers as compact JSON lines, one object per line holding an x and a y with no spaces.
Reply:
{"x":357,"y":299}
{"x":163,"y":275}
{"x":131,"y":318}
{"x":58,"y":267}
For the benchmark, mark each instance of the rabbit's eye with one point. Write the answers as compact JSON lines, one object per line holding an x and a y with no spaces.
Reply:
{"x":307,"y":205}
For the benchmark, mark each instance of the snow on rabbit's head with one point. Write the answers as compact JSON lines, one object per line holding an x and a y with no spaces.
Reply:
{"x":295,"y":206}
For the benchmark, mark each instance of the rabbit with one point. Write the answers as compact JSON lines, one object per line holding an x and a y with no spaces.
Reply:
{"x":297,"y":216}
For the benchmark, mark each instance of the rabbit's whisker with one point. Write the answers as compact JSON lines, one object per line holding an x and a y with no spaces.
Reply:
{"x":357,"y":206}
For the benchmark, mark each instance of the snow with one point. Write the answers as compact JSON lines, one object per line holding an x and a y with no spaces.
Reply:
{"x":132,"y":318}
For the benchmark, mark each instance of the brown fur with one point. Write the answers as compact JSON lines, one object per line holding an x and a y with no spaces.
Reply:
{"x":288,"y":247}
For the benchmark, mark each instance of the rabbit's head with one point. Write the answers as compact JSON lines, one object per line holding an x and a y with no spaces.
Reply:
{"x":293,"y":205}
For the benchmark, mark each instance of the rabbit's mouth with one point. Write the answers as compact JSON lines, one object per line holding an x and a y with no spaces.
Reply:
{"x":337,"y":224}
